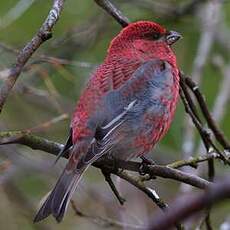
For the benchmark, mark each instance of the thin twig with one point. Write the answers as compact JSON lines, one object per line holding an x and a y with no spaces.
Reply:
{"x":113,"y":11}
{"x":193,"y":161}
{"x":181,"y":208}
{"x":44,"y":33}
{"x":148,"y":191}
{"x":36,"y":142}
{"x":108,"y":179}
{"x":209,"y":18}
{"x":210,"y":121}
{"x":204,"y":133}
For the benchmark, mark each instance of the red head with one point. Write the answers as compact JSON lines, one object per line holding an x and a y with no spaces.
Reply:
{"x":148,"y":38}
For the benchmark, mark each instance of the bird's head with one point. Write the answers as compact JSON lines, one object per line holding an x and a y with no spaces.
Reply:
{"x":145,"y":36}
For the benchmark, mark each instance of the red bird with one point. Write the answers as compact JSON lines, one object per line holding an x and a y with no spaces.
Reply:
{"x":126,"y":107}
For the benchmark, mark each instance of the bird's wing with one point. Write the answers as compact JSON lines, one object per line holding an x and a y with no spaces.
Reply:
{"x":126,"y":102}
{"x":110,"y":135}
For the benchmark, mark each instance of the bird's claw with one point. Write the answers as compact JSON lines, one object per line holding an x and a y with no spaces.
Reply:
{"x":145,"y":162}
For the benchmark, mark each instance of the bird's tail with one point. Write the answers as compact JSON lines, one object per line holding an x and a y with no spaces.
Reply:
{"x":58,"y":199}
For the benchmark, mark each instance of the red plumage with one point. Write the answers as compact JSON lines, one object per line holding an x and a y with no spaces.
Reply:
{"x":126,"y":107}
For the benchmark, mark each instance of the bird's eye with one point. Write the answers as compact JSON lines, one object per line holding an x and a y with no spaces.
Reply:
{"x":156,"y":36}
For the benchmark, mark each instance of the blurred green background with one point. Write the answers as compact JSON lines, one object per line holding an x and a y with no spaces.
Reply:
{"x":46,"y":91}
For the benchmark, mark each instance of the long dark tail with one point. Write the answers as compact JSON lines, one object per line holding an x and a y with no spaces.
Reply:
{"x":58,"y":200}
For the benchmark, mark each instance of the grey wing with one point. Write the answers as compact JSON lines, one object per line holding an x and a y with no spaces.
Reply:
{"x":107,"y":136}
{"x":125,"y":107}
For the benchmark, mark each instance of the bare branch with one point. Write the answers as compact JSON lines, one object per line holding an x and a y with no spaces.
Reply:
{"x":188,"y":205}
{"x":193,"y":161}
{"x":44,"y":33}
{"x":210,"y":121}
{"x":140,"y":185}
{"x":113,"y":11}
{"x":151,"y":193}
{"x":32,"y":141}
{"x":36,"y":142}
{"x":210,"y":16}
{"x":189,"y":105}
{"x":108,"y":179}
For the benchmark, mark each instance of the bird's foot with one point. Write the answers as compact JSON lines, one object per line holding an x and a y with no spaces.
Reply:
{"x":145,"y":163}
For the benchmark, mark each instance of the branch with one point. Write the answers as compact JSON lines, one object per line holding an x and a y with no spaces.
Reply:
{"x":193,"y":161}
{"x":210,"y":121}
{"x":152,"y":170}
{"x":209,"y":16}
{"x":32,"y":141}
{"x":44,"y":33}
{"x":113,"y":11}
{"x":147,"y":191}
{"x":35,"y":142}
{"x":189,"y":108}
{"x":181,"y":208}
{"x":108,"y":179}
{"x":221,"y":100}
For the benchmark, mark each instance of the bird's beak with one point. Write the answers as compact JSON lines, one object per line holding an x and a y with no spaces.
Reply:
{"x":172,"y":37}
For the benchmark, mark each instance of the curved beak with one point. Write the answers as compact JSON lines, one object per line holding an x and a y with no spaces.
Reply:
{"x":172,"y":37}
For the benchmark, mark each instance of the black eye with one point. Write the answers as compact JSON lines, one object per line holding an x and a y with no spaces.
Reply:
{"x":156,"y":36}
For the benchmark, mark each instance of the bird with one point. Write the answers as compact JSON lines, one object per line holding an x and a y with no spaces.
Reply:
{"x":126,"y":107}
